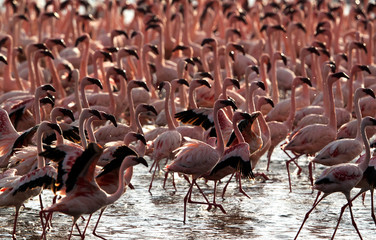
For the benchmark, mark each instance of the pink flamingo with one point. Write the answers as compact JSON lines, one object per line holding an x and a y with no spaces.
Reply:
{"x":313,"y":138}
{"x":343,"y":178}
{"x":107,"y":179}
{"x":344,"y":150}
{"x":197,"y":158}
{"x":168,"y":141}
{"x":280,"y":130}
{"x":84,"y":196}
{"x":15,"y":190}
{"x":235,"y":158}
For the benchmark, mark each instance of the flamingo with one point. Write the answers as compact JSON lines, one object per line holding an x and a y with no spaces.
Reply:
{"x":313,"y":138}
{"x":345,"y":149}
{"x":167,"y":142}
{"x":197,"y":158}
{"x":343,"y":178}
{"x":235,"y":158}
{"x":280,"y":130}
{"x":84,"y":196}
{"x":15,"y":190}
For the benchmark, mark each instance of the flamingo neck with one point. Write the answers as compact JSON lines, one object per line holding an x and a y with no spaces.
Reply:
{"x":217,"y":74}
{"x":350,"y":86}
{"x":275,"y":90}
{"x":364,"y":164}
{"x":238,"y":134}
{"x":191,"y":93}
{"x":290,"y":119}
{"x":332,"y":114}
{"x":120,"y":190}
{"x":110,"y":94}
{"x":85,"y":103}
{"x":81,"y":124}
{"x":358,"y":116}
{"x":40,"y":159}
{"x":132,"y":115}
{"x":36,"y":71}
{"x":220,"y":144}
{"x":37,"y":107}
{"x":138,"y":123}
{"x":84,"y":60}
{"x":173,"y":107}
{"x":170,"y":123}
{"x":89,"y":129}
{"x":8,"y":67}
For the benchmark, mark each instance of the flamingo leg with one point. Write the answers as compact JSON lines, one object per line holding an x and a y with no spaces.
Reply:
{"x":43,"y":236}
{"x":307,"y":215}
{"x":78,"y":229}
{"x":207,"y":201}
{"x":15,"y":222}
{"x":342,"y":211}
{"x":310,"y":172}
{"x":96,"y":225}
{"x":269,"y":156}
{"x":186,"y":200}
{"x":353,"y":220}
{"x":372,"y":208}
{"x":240,"y":185}
{"x":87,"y":224}
{"x":225,"y":187}
{"x":152,"y":179}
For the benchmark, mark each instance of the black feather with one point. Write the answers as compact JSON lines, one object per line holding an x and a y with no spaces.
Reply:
{"x":119,"y":155}
{"x":194,"y":118}
{"x":82,"y":162}
{"x":236,"y":163}
{"x":323,"y":181}
{"x":25,"y":138}
{"x":44,"y":181}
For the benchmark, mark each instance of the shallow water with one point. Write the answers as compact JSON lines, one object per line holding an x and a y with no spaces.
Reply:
{"x":271,"y":212}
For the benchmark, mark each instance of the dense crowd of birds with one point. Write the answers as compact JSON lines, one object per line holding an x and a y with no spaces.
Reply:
{"x":199,"y":88}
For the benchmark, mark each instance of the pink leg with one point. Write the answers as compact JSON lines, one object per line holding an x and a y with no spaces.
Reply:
{"x":87,"y":224}
{"x":152,"y":179}
{"x":353,"y":220}
{"x":240,"y":185}
{"x":372,"y":209}
{"x":307,"y":215}
{"x":288,"y":173}
{"x":186,"y":200}
{"x":342,"y":211}
{"x":310,"y":172}
{"x":269,"y":156}
{"x":15,"y":223}
{"x":78,"y":229}
{"x":207,"y":201}
{"x":225,"y":187}
{"x":96,"y":225}
{"x":263,"y":175}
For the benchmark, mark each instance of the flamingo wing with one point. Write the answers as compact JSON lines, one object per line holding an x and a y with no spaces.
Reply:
{"x":43,"y":177}
{"x":199,"y":117}
{"x":118,"y":157}
{"x":84,"y":166}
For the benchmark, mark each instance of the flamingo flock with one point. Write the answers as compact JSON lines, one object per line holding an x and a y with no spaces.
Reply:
{"x":200,"y":89}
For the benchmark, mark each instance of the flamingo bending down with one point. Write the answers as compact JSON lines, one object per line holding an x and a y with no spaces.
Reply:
{"x":343,"y":178}
{"x":198,"y":158}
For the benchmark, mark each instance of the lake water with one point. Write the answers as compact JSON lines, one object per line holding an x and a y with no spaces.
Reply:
{"x":271,"y":212}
